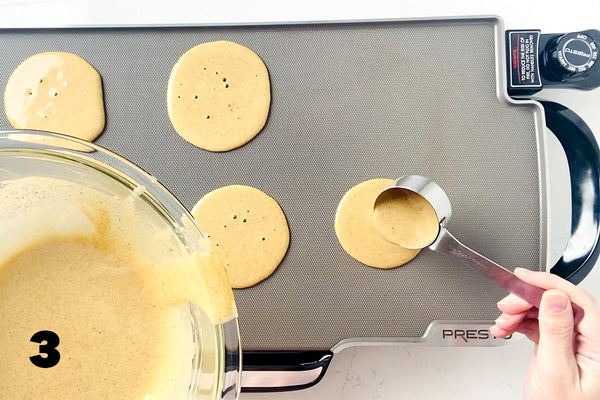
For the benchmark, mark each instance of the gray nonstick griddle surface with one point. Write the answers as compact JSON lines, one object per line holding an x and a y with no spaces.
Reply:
{"x":350,"y":102}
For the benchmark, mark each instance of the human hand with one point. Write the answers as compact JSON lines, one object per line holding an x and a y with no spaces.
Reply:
{"x":566,"y":361}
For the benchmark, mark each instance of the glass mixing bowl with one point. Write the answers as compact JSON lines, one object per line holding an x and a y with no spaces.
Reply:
{"x":53,"y":188}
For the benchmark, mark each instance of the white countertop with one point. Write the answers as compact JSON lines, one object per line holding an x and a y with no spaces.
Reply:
{"x":400,"y":372}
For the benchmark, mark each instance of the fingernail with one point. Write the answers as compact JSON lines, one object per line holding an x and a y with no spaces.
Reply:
{"x":506,"y":300}
{"x":520,"y":270}
{"x":556,"y":302}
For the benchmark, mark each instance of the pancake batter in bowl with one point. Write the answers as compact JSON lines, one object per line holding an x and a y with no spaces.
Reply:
{"x":78,"y":262}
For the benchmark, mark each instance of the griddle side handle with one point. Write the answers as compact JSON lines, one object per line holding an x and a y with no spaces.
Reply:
{"x":583,"y":157}
{"x":278,"y":371}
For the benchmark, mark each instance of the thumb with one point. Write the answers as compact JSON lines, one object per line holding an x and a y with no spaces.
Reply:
{"x":555,"y":349}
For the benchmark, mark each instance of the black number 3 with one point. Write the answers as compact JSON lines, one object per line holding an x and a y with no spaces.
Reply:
{"x":52,"y":355}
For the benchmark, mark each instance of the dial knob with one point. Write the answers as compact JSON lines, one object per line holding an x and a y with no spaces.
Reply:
{"x":571,"y":55}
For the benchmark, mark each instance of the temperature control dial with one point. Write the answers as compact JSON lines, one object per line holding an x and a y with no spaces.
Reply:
{"x":570,"y":56}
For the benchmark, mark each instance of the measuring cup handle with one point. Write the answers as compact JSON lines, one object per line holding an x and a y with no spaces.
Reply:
{"x":583,"y":157}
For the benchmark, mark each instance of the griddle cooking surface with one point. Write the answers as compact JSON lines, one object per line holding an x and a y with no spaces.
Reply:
{"x":350,"y":102}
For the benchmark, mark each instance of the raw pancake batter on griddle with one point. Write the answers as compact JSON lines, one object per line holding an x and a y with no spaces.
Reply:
{"x":56,"y":92}
{"x":248,"y":230}
{"x":357,"y":234}
{"x":218,"y":95}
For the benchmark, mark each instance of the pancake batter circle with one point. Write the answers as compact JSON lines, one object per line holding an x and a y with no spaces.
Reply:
{"x":56,"y":92}
{"x":218,"y":95}
{"x":248,"y":230}
{"x":356,"y":231}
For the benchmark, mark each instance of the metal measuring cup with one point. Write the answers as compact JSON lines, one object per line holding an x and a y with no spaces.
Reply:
{"x":446,"y":243}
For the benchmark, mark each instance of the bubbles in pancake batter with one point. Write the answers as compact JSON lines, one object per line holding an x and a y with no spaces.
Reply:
{"x":227,"y":61}
{"x":246,"y":265}
{"x":39,"y":78}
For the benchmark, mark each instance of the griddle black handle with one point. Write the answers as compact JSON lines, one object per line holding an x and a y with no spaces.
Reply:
{"x":583,"y":157}
{"x":277,"y":371}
